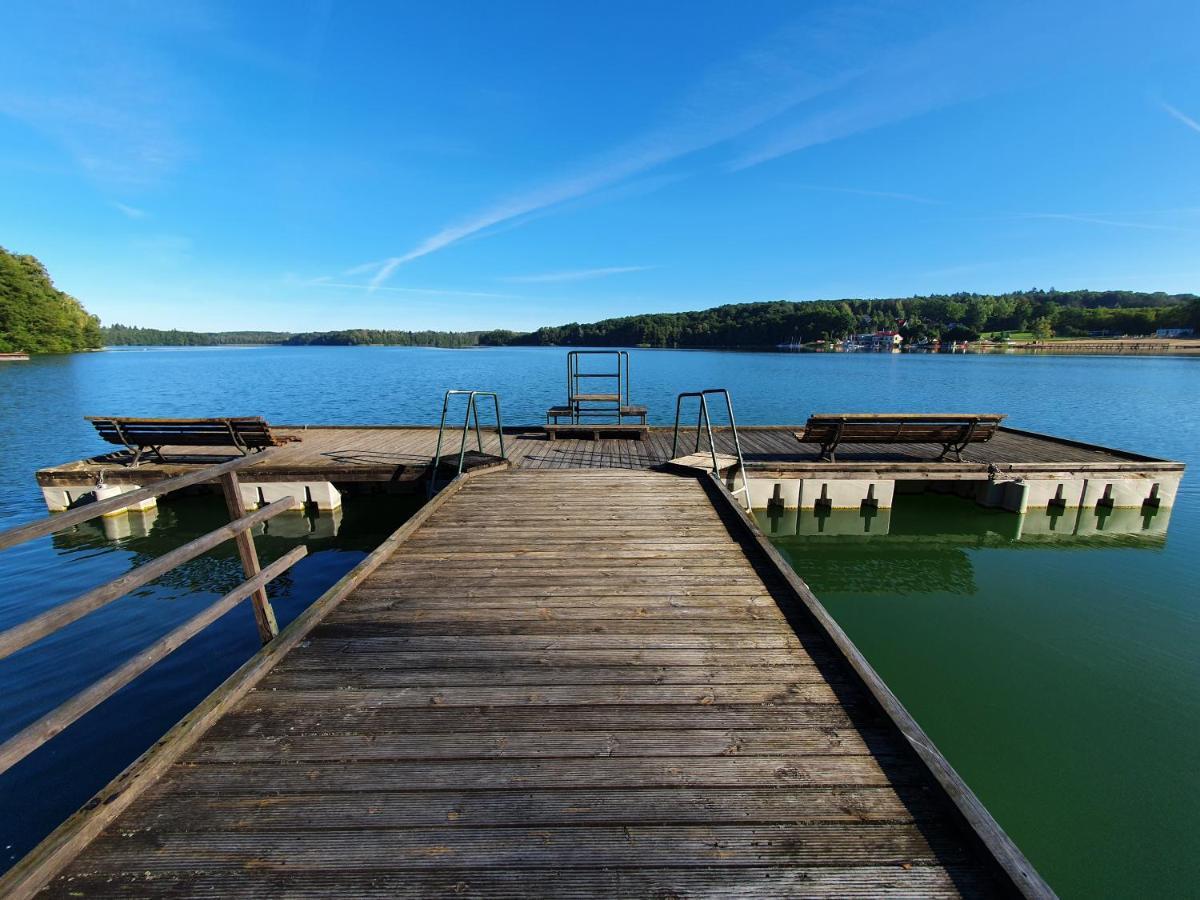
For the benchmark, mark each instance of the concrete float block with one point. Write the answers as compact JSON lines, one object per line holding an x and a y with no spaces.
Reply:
{"x":775,"y":493}
{"x":846,"y":493}
{"x":60,"y":497}
{"x":324,"y":495}
{"x":1129,"y":492}
{"x":1061,"y":492}
{"x":1007,"y":494}
{"x":249,"y":492}
{"x":65,"y":496}
{"x":321,"y":494}
{"x":108,"y":491}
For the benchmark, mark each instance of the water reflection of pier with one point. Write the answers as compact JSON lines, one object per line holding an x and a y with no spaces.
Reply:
{"x":139,"y":525}
{"x":961,"y":523}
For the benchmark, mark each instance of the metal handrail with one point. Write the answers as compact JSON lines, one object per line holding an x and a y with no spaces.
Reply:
{"x":472,"y":411}
{"x":13,"y":639}
{"x":703,"y":419}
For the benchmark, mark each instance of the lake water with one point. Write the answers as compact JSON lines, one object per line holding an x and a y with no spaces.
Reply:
{"x":1060,"y":677}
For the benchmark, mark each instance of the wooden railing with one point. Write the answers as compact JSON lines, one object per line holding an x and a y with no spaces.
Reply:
{"x":29,"y":739}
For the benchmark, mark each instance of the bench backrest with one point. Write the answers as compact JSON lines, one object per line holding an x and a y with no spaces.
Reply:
{"x":901,"y":428}
{"x":245,"y":431}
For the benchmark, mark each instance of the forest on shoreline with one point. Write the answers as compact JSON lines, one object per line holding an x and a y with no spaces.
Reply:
{"x":1039,"y":313}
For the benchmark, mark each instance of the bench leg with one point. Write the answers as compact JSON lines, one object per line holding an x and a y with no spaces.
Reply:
{"x":951,"y":448}
{"x":137,"y":457}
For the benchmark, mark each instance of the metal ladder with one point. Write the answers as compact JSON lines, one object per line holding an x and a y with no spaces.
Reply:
{"x":472,"y":413}
{"x":607,"y":404}
{"x":706,"y":421}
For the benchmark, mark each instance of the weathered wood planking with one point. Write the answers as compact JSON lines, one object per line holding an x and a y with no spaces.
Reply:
{"x":593,"y":720}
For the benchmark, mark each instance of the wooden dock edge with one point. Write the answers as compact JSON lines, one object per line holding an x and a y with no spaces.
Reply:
{"x":1011,"y":862}
{"x":36,"y":869}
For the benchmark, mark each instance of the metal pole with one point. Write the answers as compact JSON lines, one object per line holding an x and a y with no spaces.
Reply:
{"x":478,"y":435}
{"x":499,"y":426}
{"x":462,"y":448}
{"x":675,"y":438}
{"x":437,"y":455}
{"x":737,"y":443}
{"x":712,"y":444}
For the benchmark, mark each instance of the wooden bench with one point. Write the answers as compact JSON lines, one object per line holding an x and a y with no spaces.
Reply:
{"x":953,"y":431}
{"x":246,"y":433}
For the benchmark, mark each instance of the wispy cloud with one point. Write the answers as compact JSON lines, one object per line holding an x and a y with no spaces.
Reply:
{"x":443,"y":292}
{"x":840,"y":71}
{"x":1181,"y":116}
{"x":131,"y":211}
{"x":575,"y":275}
{"x":886,"y":195}
{"x":730,"y":101}
{"x":1105,"y":220}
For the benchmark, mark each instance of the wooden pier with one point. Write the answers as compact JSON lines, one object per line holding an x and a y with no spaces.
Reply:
{"x":624,"y":695}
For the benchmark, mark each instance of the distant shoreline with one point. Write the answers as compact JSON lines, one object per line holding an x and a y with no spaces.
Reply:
{"x":1165,"y":347}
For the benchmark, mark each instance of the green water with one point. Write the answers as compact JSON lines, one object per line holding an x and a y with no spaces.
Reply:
{"x":1034,"y":651}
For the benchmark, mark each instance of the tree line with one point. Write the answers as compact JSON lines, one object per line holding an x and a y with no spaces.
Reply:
{"x":368,"y":336}
{"x":1043,"y":313}
{"x":132,"y":336}
{"x":954,"y":316}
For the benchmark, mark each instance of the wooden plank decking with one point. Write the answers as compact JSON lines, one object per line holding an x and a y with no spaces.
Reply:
{"x":557,"y":684}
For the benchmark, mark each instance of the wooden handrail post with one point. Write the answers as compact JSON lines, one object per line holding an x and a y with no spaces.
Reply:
{"x":264,"y":615}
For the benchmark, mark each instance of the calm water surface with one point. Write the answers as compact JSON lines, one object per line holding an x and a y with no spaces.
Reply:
{"x":1061,"y":677}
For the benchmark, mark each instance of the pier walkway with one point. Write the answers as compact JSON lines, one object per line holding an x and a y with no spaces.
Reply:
{"x":547,"y":683}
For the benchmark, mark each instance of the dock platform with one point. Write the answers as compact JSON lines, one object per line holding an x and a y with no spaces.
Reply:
{"x":625,"y":695}
{"x":1014,"y":470}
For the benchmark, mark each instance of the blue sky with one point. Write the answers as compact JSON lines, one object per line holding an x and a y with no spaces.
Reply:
{"x":460,"y":165}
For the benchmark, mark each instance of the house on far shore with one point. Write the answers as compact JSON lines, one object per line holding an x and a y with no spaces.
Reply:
{"x":880,"y":341}
{"x":1175,"y":332}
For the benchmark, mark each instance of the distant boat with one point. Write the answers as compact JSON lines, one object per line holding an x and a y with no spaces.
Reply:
{"x":14,"y":357}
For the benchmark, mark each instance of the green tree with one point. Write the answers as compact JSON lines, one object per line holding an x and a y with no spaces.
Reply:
{"x":1042,"y":329}
{"x":36,"y":317}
